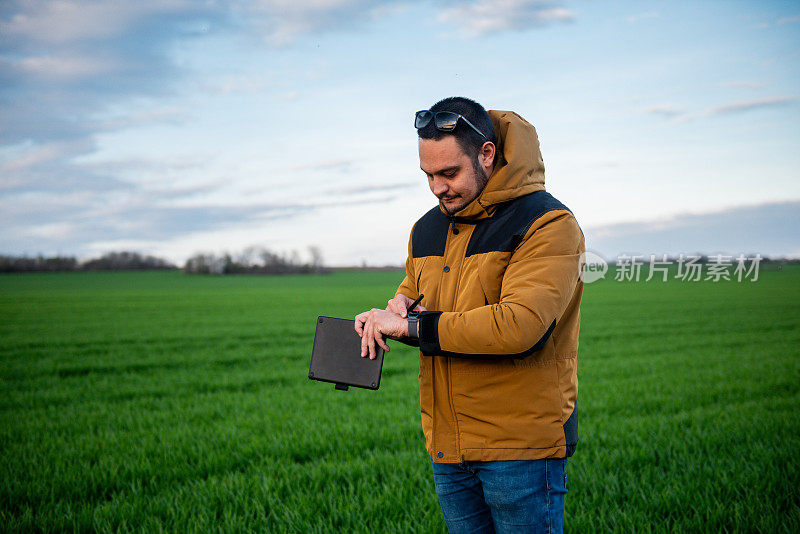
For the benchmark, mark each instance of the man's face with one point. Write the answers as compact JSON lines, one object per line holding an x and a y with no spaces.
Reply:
{"x":452,"y":176}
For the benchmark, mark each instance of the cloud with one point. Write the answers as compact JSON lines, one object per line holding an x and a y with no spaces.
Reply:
{"x":70,"y":35}
{"x":750,"y":105}
{"x":27,"y":157}
{"x":57,"y":230}
{"x":66,"y":22}
{"x":160,"y":115}
{"x":788,"y":20}
{"x":66,"y":67}
{"x":340,"y":165}
{"x":52,"y":201}
{"x":71,"y":70}
{"x":667,"y":111}
{"x":742,"y":84}
{"x":75,"y":223}
{"x":793,"y":19}
{"x":672,"y":111}
{"x":367,"y":189}
{"x":484,"y":17}
{"x":238,"y":84}
{"x":64,"y":61}
{"x":63,"y":67}
{"x":49,"y":168}
{"x":281,"y":22}
{"x":768,"y":228}
{"x":643,"y":16}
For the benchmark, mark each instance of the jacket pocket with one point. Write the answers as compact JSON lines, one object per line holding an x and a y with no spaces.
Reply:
{"x":419,"y":265}
{"x":491,"y":269}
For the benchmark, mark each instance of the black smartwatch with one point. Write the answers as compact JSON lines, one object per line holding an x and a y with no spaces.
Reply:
{"x":413,"y":322}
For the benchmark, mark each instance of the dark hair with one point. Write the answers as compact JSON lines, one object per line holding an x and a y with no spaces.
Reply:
{"x":467,"y":138}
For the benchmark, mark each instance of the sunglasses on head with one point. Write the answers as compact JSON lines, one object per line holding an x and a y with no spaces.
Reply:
{"x":445,"y":121}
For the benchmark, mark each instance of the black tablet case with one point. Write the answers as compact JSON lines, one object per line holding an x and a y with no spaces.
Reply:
{"x":336,"y":356}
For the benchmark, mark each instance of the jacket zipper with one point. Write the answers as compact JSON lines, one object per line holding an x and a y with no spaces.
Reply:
{"x":449,"y":384}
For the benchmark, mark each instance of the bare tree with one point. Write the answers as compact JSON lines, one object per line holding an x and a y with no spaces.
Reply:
{"x":316,"y":258}
{"x":255,"y":260}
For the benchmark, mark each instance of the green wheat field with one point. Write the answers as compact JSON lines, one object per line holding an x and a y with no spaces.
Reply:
{"x":157,"y":401}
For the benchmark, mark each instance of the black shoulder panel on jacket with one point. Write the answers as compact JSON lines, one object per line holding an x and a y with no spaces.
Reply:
{"x":430,"y":234}
{"x":507,"y":227}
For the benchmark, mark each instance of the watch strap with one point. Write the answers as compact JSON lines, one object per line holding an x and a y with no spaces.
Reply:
{"x":413,"y":322}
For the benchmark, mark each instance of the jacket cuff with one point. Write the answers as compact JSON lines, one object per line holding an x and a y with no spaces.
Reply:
{"x":428,"y":329}
{"x":410,"y":341}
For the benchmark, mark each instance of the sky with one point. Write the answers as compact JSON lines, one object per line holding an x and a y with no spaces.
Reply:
{"x":172,"y":127}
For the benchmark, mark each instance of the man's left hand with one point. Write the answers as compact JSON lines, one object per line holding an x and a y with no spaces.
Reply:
{"x":373,"y":325}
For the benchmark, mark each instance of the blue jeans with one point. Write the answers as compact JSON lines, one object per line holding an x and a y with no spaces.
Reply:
{"x":503,"y":497}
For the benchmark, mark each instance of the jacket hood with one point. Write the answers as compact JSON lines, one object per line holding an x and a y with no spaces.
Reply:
{"x":519,"y":167}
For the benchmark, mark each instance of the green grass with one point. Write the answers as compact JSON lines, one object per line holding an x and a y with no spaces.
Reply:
{"x":162,"y":402}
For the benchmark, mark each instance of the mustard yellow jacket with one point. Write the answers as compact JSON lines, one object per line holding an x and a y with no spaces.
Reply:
{"x":497,"y":369}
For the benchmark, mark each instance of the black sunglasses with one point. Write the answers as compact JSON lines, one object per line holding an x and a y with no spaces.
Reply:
{"x":445,"y":121}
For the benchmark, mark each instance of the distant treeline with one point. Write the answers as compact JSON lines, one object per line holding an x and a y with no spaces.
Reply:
{"x":113,"y":261}
{"x":255,"y":260}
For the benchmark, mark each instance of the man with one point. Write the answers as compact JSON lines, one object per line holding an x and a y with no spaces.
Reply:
{"x":498,"y":263}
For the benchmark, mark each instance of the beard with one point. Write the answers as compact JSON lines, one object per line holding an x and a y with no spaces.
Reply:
{"x":480,"y":175}
{"x":480,"y":178}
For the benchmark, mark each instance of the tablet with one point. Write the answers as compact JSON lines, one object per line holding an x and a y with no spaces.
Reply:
{"x":336,"y":356}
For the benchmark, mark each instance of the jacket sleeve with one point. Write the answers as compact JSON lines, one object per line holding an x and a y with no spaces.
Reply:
{"x":541,"y":278}
{"x":409,"y":285}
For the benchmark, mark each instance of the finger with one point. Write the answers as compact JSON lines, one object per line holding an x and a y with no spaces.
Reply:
{"x":401,"y":303}
{"x":370,"y":342}
{"x":396,"y":307}
{"x":364,"y":339}
{"x":382,"y":342}
{"x":372,"y":337}
{"x":369,"y":337}
{"x":367,"y":341}
{"x":359,"y":324}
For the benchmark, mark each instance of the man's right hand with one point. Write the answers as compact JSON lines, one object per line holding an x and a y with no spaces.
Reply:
{"x":400,"y":304}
